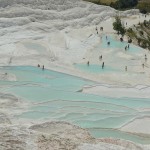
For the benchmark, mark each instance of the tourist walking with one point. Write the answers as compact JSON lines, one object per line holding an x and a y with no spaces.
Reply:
{"x":145,"y":57}
{"x":106,"y":37}
{"x":88,"y":63}
{"x":101,"y":28}
{"x":143,"y":65}
{"x":125,"y":48}
{"x":102,"y":65}
{"x":43,"y":67}
{"x":100,"y":57}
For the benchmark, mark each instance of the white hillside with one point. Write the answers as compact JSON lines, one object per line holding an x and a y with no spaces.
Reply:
{"x":59,"y":14}
{"x":60,"y":35}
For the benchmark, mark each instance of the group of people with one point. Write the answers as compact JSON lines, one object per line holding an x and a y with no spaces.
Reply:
{"x":101,"y":29}
{"x":88,"y":63}
{"x":127,"y":47}
{"x":100,"y":58}
{"x":108,"y":43}
{"x":145,"y":61}
{"x":42,"y":67}
{"x":143,"y":65}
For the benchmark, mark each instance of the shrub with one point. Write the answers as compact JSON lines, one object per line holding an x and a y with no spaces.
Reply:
{"x":117,"y":25}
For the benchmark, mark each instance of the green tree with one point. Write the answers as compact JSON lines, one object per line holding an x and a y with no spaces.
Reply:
{"x":127,"y":3}
{"x":117,"y":25}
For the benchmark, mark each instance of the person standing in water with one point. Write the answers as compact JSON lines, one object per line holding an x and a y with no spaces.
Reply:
{"x":38,"y":65}
{"x":125,"y":48}
{"x":103,"y":65}
{"x":128,"y":46}
{"x":126,"y":68}
{"x":88,"y":63}
{"x":43,"y":67}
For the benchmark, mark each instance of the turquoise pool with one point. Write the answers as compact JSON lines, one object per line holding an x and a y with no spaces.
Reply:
{"x":56,"y":96}
{"x":93,"y":68}
{"x":117,"y":57}
{"x":115,"y":44}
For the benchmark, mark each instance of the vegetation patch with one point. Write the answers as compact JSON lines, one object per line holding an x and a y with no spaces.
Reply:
{"x":141,"y":34}
{"x":102,"y":2}
{"x":142,"y":5}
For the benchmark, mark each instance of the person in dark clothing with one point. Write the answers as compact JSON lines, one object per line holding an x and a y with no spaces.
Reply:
{"x":108,"y":43}
{"x":88,"y":63}
{"x":100,"y":57}
{"x":43,"y":67}
{"x":101,"y":28}
{"x":121,"y":39}
{"x":106,"y":37}
{"x":143,"y":65}
{"x":145,"y":57}
{"x":103,"y":65}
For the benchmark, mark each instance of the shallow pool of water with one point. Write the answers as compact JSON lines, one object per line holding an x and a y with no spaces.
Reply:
{"x":115,"y":44}
{"x":117,"y":57}
{"x":93,"y":68}
{"x":56,"y":96}
{"x":100,"y":133}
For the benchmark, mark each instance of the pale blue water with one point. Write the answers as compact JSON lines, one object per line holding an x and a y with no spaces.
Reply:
{"x":93,"y":68}
{"x":100,"y":133}
{"x":115,"y":44}
{"x":50,"y":79}
{"x":55,"y":96}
